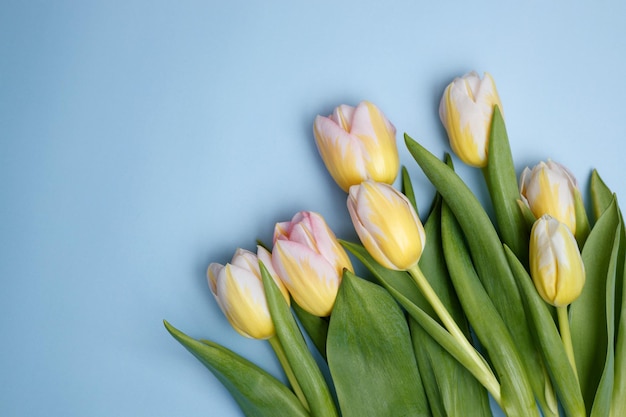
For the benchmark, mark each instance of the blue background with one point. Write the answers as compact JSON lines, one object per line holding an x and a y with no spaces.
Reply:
{"x":142,"y":140}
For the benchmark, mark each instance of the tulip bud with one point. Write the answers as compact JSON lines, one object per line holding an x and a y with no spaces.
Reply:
{"x":238,"y":289}
{"x":357,"y":143}
{"x":556,"y":265}
{"x":465,"y":110}
{"x":310,"y":261}
{"x":549,"y":188}
{"x":387,"y":224}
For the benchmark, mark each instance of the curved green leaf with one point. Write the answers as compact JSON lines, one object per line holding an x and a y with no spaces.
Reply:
{"x":549,"y":339}
{"x":370,"y":355}
{"x":588,"y":313}
{"x":303,"y":364}
{"x":504,"y":190}
{"x":258,"y":393}
{"x":604,"y":394}
{"x":601,"y":195}
{"x":618,"y":405}
{"x":407,"y":188}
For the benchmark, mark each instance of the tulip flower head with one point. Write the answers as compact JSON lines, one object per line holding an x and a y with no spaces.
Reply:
{"x":465,"y":110}
{"x":549,"y":188}
{"x":387,"y":224}
{"x":310,"y":261}
{"x":357,"y":143}
{"x":238,"y":289}
{"x":556,"y":265}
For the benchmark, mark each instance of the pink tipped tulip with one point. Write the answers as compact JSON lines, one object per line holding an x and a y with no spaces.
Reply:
{"x":238,"y":289}
{"x":356,"y":144}
{"x":309,"y":261}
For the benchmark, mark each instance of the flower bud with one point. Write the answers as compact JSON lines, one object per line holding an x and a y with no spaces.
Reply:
{"x":238,"y":289}
{"x":387,"y":224}
{"x":465,"y":110}
{"x":556,"y":265}
{"x":357,"y":143}
{"x":310,"y":261}
{"x":549,"y":188}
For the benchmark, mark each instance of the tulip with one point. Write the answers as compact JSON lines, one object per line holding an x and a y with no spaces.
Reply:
{"x":556,"y":265}
{"x":356,"y":144}
{"x":238,"y":289}
{"x":550,"y":188}
{"x":310,"y":261}
{"x":465,"y":110}
{"x":387,"y":224}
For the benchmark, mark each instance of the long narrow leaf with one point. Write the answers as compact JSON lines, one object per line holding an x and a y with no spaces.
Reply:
{"x":303,"y":364}
{"x":604,"y":394}
{"x":504,"y":189}
{"x":588,"y":313}
{"x":258,"y":393}
{"x":548,"y":337}
{"x":601,"y":195}
{"x":618,"y":405}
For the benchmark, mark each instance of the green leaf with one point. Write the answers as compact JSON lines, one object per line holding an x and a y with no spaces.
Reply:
{"x":618,"y":405}
{"x":517,"y":395}
{"x":601,"y":195}
{"x":604,"y":394}
{"x":407,"y":188}
{"x":370,"y":355}
{"x":258,"y":393}
{"x":588,"y":313}
{"x":316,"y":327}
{"x":303,"y":364}
{"x":401,"y":286}
{"x":489,"y":259}
{"x":582,"y":221}
{"x":504,"y":190}
{"x":423,"y":345}
{"x":549,"y":340}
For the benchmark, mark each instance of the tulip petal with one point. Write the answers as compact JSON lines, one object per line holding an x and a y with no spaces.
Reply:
{"x":312,"y":280}
{"x":243,"y":299}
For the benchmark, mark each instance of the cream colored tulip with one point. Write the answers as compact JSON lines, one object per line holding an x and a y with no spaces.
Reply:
{"x":356,"y":144}
{"x":466,"y":110}
{"x":556,"y":265}
{"x":238,"y":289}
{"x":387,"y":224}
{"x":550,"y":188}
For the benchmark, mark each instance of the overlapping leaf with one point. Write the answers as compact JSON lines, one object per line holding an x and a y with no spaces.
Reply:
{"x":370,"y":354}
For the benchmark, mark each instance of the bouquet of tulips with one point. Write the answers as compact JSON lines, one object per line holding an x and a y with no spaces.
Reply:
{"x":527,"y":308}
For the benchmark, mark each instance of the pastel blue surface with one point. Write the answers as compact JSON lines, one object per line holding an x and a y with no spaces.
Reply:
{"x":142,"y":140}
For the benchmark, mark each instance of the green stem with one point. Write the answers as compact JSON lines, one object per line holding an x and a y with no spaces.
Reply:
{"x":480,"y":370}
{"x":282,"y":358}
{"x":566,"y":336}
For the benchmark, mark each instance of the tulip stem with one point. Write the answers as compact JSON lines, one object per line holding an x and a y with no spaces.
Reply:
{"x":282,"y":358}
{"x":481,"y":370}
{"x":566,"y":336}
